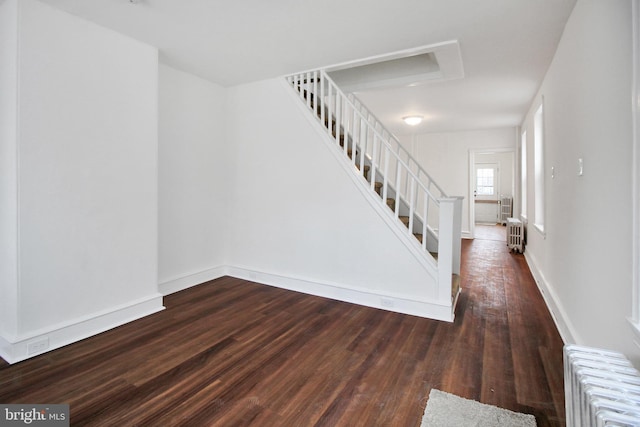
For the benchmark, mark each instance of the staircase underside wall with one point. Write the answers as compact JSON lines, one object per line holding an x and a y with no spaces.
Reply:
{"x":299,"y":221}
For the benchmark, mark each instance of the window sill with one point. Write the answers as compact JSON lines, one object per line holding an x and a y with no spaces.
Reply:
{"x":540,"y":230}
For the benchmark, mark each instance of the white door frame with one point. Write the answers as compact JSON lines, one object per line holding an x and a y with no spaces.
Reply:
{"x":496,"y":186}
{"x":471,"y":174}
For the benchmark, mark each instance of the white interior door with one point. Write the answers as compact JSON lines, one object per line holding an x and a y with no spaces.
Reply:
{"x":486,"y":191}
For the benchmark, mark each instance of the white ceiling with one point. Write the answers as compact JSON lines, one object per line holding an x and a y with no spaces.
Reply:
{"x":506,"y":46}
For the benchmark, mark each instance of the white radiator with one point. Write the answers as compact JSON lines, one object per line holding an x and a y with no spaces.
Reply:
{"x":601,"y":388}
{"x":515,"y":235}
{"x":506,"y":205}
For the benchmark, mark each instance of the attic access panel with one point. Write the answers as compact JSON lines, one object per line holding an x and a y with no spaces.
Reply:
{"x":411,"y":67}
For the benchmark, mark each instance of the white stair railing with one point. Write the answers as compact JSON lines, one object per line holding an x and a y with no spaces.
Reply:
{"x":378,"y":156}
{"x":402,"y":153}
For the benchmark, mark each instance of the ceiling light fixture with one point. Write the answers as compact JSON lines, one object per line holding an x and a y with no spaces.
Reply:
{"x":412,"y":120}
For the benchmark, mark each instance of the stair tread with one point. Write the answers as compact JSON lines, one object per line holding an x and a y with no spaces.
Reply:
{"x":392,"y":204}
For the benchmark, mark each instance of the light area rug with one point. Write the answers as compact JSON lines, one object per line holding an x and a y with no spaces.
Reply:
{"x":448,"y":410}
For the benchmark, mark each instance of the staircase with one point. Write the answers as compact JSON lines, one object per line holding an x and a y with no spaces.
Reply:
{"x":428,"y":219}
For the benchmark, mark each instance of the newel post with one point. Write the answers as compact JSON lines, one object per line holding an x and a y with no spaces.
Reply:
{"x":449,"y":245}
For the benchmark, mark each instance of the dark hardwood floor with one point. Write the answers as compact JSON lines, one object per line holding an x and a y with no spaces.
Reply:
{"x":234,"y":353}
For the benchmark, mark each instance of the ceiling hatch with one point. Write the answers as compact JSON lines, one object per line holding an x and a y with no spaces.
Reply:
{"x":439,"y":62}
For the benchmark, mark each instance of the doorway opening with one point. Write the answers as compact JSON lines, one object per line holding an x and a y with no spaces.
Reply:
{"x":491,"y":186}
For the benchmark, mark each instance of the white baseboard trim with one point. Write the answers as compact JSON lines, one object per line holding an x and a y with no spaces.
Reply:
{"x":184,"y":282}
{"x":389,"y":302}
{"x":566,"y":330}
{"x":20,"y":348}
{"x":16,"y":349}
{"x":341,"y":292}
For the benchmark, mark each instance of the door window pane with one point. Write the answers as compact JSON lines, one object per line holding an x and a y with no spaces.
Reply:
{"x":484,"y":182}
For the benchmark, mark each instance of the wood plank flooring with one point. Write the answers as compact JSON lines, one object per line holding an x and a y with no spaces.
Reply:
{"x":235,"y":353}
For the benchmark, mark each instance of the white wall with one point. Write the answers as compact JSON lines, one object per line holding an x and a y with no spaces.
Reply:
{"x":445,"y":156}
{"x":296,"y":213}
{"x":193,"y":177}
{"x":8,"y":172}
{"x":87,"y":178}
{"x":583,"y":263}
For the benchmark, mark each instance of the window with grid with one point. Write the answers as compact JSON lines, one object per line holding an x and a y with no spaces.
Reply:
{"x":485,"y":182}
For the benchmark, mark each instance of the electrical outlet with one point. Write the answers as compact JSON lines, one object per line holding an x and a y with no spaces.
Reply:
{"x":580,"y":167}
{"x":386,"y":302}
{"x":38,"y":346}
